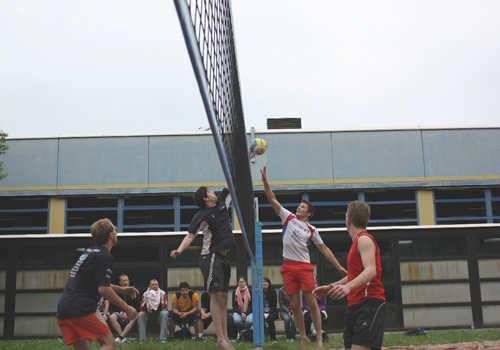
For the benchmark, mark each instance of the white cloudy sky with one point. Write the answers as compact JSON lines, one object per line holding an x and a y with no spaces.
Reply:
{"x":121,"y":66}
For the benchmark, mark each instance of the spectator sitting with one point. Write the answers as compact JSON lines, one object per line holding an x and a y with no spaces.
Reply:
{"x":119,"y":319}
{"x":270,"y":307}
{"x":286,"y":315}
{"x":307,"y":316}
{"x":242,"y":306}
{"x":185,"y":305}
{"x":153,"y":307}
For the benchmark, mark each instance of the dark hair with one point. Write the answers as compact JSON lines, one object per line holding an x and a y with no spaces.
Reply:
{"x":183,"y":285}
{"x":242,"y":278}
{"x":100,"y":231}
{"x":199,"y":195}
{"x":310,"y":207}
{"x":359,"y":213}
{"x":270,"y":284}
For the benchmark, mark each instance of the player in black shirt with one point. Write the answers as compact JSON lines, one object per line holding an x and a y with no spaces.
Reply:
{"x":213,"y":221}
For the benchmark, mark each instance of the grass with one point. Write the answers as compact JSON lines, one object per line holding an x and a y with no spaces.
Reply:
{"x":390,"y":339}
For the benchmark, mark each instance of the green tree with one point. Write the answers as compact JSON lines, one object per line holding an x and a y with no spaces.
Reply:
{"x":3,"y":149}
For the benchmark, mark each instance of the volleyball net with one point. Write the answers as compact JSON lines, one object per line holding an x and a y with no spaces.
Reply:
{"x":208,"y":32}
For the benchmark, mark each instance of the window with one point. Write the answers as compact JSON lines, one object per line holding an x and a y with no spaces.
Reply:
{"x":141,"y":253}
{"x":330,"y":207}
{"x":488,"y":246}
{"x":432,"y":247}
{"x":495,"y":204}
{"x":24,"y":215}
{"x":148,"y":213}
{"x":460,"y":206}
{"x":48,"y":255}
{"x":392,"y":207}
{"x":82,"y":212}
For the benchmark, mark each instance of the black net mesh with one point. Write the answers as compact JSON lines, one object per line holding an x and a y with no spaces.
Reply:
{"x":211,"y":21}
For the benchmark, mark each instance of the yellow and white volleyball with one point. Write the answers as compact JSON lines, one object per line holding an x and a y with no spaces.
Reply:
{"x":258,"y":147}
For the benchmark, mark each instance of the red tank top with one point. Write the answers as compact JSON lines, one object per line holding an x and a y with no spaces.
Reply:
{"x":373,"y":289}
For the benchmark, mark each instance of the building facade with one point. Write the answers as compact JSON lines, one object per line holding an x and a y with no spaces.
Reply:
{"x":434,"y":194}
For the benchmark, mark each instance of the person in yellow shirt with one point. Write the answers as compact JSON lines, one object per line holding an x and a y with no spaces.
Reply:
{"x":185,"y":309}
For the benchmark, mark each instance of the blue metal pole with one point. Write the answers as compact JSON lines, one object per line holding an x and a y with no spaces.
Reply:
{"x":258,"y":289}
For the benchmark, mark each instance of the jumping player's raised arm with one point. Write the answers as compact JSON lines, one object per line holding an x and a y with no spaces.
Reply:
{"x":269,"y":193}
{"x":186,"y":242}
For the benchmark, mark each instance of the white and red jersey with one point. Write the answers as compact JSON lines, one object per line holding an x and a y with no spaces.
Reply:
{"x":297,"y":236}
{"x":163,"y":301}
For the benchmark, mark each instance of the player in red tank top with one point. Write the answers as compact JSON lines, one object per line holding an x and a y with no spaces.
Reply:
{"x":365,"y":317}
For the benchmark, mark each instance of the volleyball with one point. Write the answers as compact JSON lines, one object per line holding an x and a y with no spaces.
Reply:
{"x":258,"y":147}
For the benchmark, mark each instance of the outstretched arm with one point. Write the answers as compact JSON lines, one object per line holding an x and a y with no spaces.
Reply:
{"x":186,"y":242}
{"x":331,"y":258}
{"x":269,"y":193}
{"x":130,"y":291}
{"x":323,"y":291}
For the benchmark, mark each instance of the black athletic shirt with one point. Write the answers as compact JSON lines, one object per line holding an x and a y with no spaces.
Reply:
{"x":215,"y":225}
{"x":81,"y":293}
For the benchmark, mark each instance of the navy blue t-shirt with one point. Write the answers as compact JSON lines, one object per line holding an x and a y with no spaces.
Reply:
{"x":215,"y":225}
{"x":81,"y":293}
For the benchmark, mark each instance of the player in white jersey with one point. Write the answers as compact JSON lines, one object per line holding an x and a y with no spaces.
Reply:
{"x":297,"y":271}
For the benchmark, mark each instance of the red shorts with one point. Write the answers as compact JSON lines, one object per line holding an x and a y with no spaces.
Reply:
{"x":298,"y":276}
{"x":89,"y":327}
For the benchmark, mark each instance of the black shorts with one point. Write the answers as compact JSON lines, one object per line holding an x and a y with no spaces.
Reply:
{"x":206,"y":322}
{"x":216,"y":270}
{"x":365,"y":324}
{"x":190,"y":320}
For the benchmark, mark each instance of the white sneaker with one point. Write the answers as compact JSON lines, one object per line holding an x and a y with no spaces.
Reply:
{"x":118,"y":340}
{"x":125,"y":340}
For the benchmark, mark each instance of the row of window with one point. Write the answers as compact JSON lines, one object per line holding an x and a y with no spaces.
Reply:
{"x":159,"y":213}
{"x":408,"y":249}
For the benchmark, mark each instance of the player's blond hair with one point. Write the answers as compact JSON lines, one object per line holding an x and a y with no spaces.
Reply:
{"x":359,"y":213}
{"x":100,"y":231}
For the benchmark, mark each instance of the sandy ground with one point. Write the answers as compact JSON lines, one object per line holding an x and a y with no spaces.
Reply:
{"x":475,"y":345}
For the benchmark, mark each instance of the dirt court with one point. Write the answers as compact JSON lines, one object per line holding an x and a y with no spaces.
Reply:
{"x":475,"y":345}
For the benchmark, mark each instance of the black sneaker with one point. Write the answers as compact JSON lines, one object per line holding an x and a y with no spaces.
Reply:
{"x":313,"y":337}
{"x":325,"y":337}
{"x":199,"y":339}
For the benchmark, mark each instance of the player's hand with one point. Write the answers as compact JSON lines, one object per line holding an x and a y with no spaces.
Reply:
{"x":130,"y":291}
{"x":131,"y":312}
{"x":342,"y":271}
{"x":339,"y":291}
{"x":263,"y":173}
{"x":250,"y":154}
{"x":175,"y":253}
{"x":321,"y":292}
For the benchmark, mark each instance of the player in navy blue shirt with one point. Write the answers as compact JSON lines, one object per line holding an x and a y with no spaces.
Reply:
{"x":90,"y":279}
{"x":213,"y":221}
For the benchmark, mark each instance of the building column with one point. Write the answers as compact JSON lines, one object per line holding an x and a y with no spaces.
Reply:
{"x":57,"y":214}
{"x":425,"y":205}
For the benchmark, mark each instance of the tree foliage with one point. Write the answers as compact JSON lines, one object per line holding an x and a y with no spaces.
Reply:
{"x":3,"y":149}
